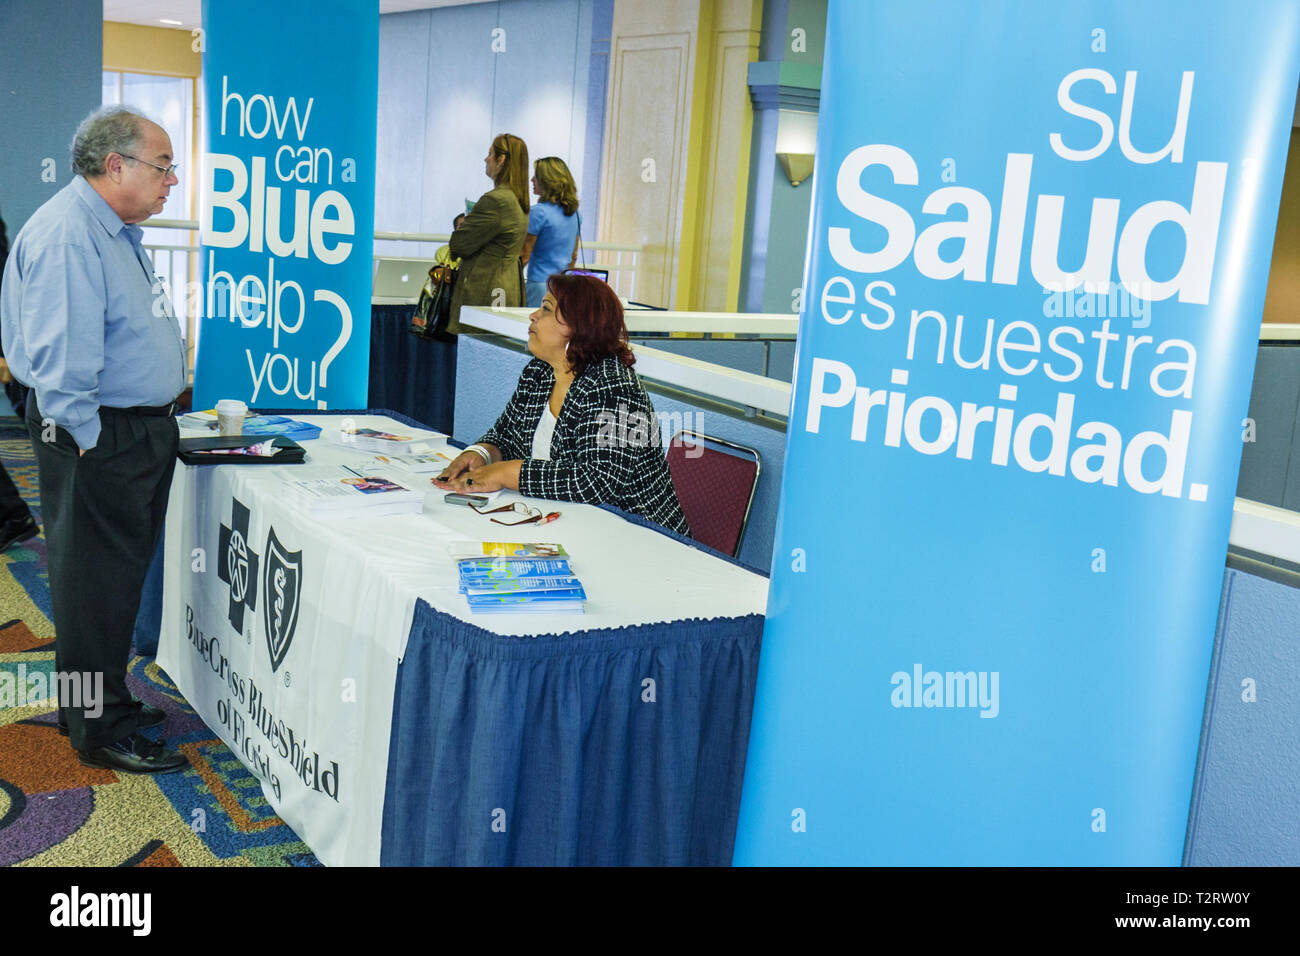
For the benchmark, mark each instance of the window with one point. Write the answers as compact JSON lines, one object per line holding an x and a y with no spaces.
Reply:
{"x":168,"y":101}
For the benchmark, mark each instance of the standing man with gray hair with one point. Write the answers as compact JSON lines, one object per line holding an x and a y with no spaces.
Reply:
{"x":88,"y":326}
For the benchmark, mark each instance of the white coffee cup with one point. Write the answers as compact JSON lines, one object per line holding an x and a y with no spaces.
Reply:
{"x":230,"y":416}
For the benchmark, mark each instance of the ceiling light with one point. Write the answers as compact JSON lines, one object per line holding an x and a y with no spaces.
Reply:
{"x":173,"y":23}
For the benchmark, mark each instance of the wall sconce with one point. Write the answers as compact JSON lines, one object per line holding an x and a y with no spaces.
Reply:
{"x":797,"y":166}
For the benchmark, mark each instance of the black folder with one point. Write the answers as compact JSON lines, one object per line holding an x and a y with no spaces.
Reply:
{"x":198,"y":451}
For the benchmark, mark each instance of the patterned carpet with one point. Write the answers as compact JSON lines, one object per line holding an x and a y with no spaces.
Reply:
{"x":56,"y":812}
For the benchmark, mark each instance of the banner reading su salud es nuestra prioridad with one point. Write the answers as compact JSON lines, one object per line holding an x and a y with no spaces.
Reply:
{"x":1040,"y":244}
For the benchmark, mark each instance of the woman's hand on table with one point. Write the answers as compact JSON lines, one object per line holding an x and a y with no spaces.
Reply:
{"x":482,"y":477}
{"x":461,"y":465}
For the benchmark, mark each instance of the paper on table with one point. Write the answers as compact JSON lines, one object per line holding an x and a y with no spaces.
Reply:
{"x":515,"y":550}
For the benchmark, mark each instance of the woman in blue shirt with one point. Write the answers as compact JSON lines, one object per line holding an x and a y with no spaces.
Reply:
{"x":552,"y":243}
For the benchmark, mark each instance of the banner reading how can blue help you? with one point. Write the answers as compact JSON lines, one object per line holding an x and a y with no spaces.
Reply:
{"x":288,"y":200}
{"x":1040,"y":243}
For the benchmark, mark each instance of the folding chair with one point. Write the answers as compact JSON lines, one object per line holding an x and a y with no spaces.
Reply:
{"x":715,"y":482}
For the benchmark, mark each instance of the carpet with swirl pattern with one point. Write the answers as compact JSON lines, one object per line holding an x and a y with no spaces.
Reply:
{"x":56,"y":812}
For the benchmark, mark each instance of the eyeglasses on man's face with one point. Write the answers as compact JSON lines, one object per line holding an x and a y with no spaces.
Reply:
{"x":165,"y":170}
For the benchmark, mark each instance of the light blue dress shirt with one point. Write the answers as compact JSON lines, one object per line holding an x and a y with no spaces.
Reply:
{"x":555,"y":234}
{"x":86,"y":323}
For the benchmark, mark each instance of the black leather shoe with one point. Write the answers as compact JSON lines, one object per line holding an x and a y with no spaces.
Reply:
{"x":134,"y":754}
{"x":16,"y":530}
{"x":150,"y":716}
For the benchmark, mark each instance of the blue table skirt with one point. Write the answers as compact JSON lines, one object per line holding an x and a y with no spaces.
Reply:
{"x":544,"y":750}
{"x":148,"y":619}
{"x":409,"y":374}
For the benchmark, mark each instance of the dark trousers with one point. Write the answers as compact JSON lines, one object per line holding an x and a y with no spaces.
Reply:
{"x":103,"y":513}
{"x":12,"y":506}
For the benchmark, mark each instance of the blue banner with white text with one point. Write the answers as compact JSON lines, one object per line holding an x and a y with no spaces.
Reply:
{"x":1041,"y":236}
{"x":287,"y":202}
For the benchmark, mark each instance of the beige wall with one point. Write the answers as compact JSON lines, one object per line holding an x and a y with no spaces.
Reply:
{"x":718,"y":177}
{"x":136,"y":49}
{"x":1283,"y":301}
{"x":643,"y":170}
{"x":676,"y":154}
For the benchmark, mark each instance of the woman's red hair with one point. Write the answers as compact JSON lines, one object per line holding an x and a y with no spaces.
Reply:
{"x":594,"y":317}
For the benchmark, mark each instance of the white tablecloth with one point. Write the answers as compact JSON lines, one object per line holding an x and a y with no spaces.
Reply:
{"x":315,"y":726}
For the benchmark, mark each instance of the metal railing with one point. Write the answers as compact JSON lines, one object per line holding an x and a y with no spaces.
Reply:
{"x":749,"y":393}
{"x":178,"y":263}
{"x":604,"y":255}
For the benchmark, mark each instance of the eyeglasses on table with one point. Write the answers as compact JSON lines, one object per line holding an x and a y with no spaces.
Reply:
{"x":532,"y":515}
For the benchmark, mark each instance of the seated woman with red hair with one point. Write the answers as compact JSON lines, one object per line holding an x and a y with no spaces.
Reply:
{"x":580,"y":426}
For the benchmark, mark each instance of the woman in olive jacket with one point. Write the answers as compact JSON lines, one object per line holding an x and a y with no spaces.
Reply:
{"x":491,"y":238}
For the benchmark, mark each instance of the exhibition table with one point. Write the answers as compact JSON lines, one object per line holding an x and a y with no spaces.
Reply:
{"x":388,"y":724}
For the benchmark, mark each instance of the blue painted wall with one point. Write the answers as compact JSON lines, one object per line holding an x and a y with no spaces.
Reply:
{"x":486,"y":375}
{"x":787,"y":243}
{"x":1270,"y":468}
{"x":762,"y":167}
{"x":445,"y":92}
{"x":602,"y":27}
{"x":777,"y":214}
{"x":745,"y":355}
{"x":1246,"y":798}
{"x":50,"y":72}
{"x":1270,"y":465}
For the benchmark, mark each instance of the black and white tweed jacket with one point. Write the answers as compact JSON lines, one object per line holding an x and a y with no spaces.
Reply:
{"x":606,"y":448}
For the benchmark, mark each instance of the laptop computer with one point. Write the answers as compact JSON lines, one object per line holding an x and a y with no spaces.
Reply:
{"x":601,"y":274}
{"x":400,"y":278}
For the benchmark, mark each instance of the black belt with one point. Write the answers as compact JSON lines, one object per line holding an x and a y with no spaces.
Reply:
{"x":169,"y":409}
